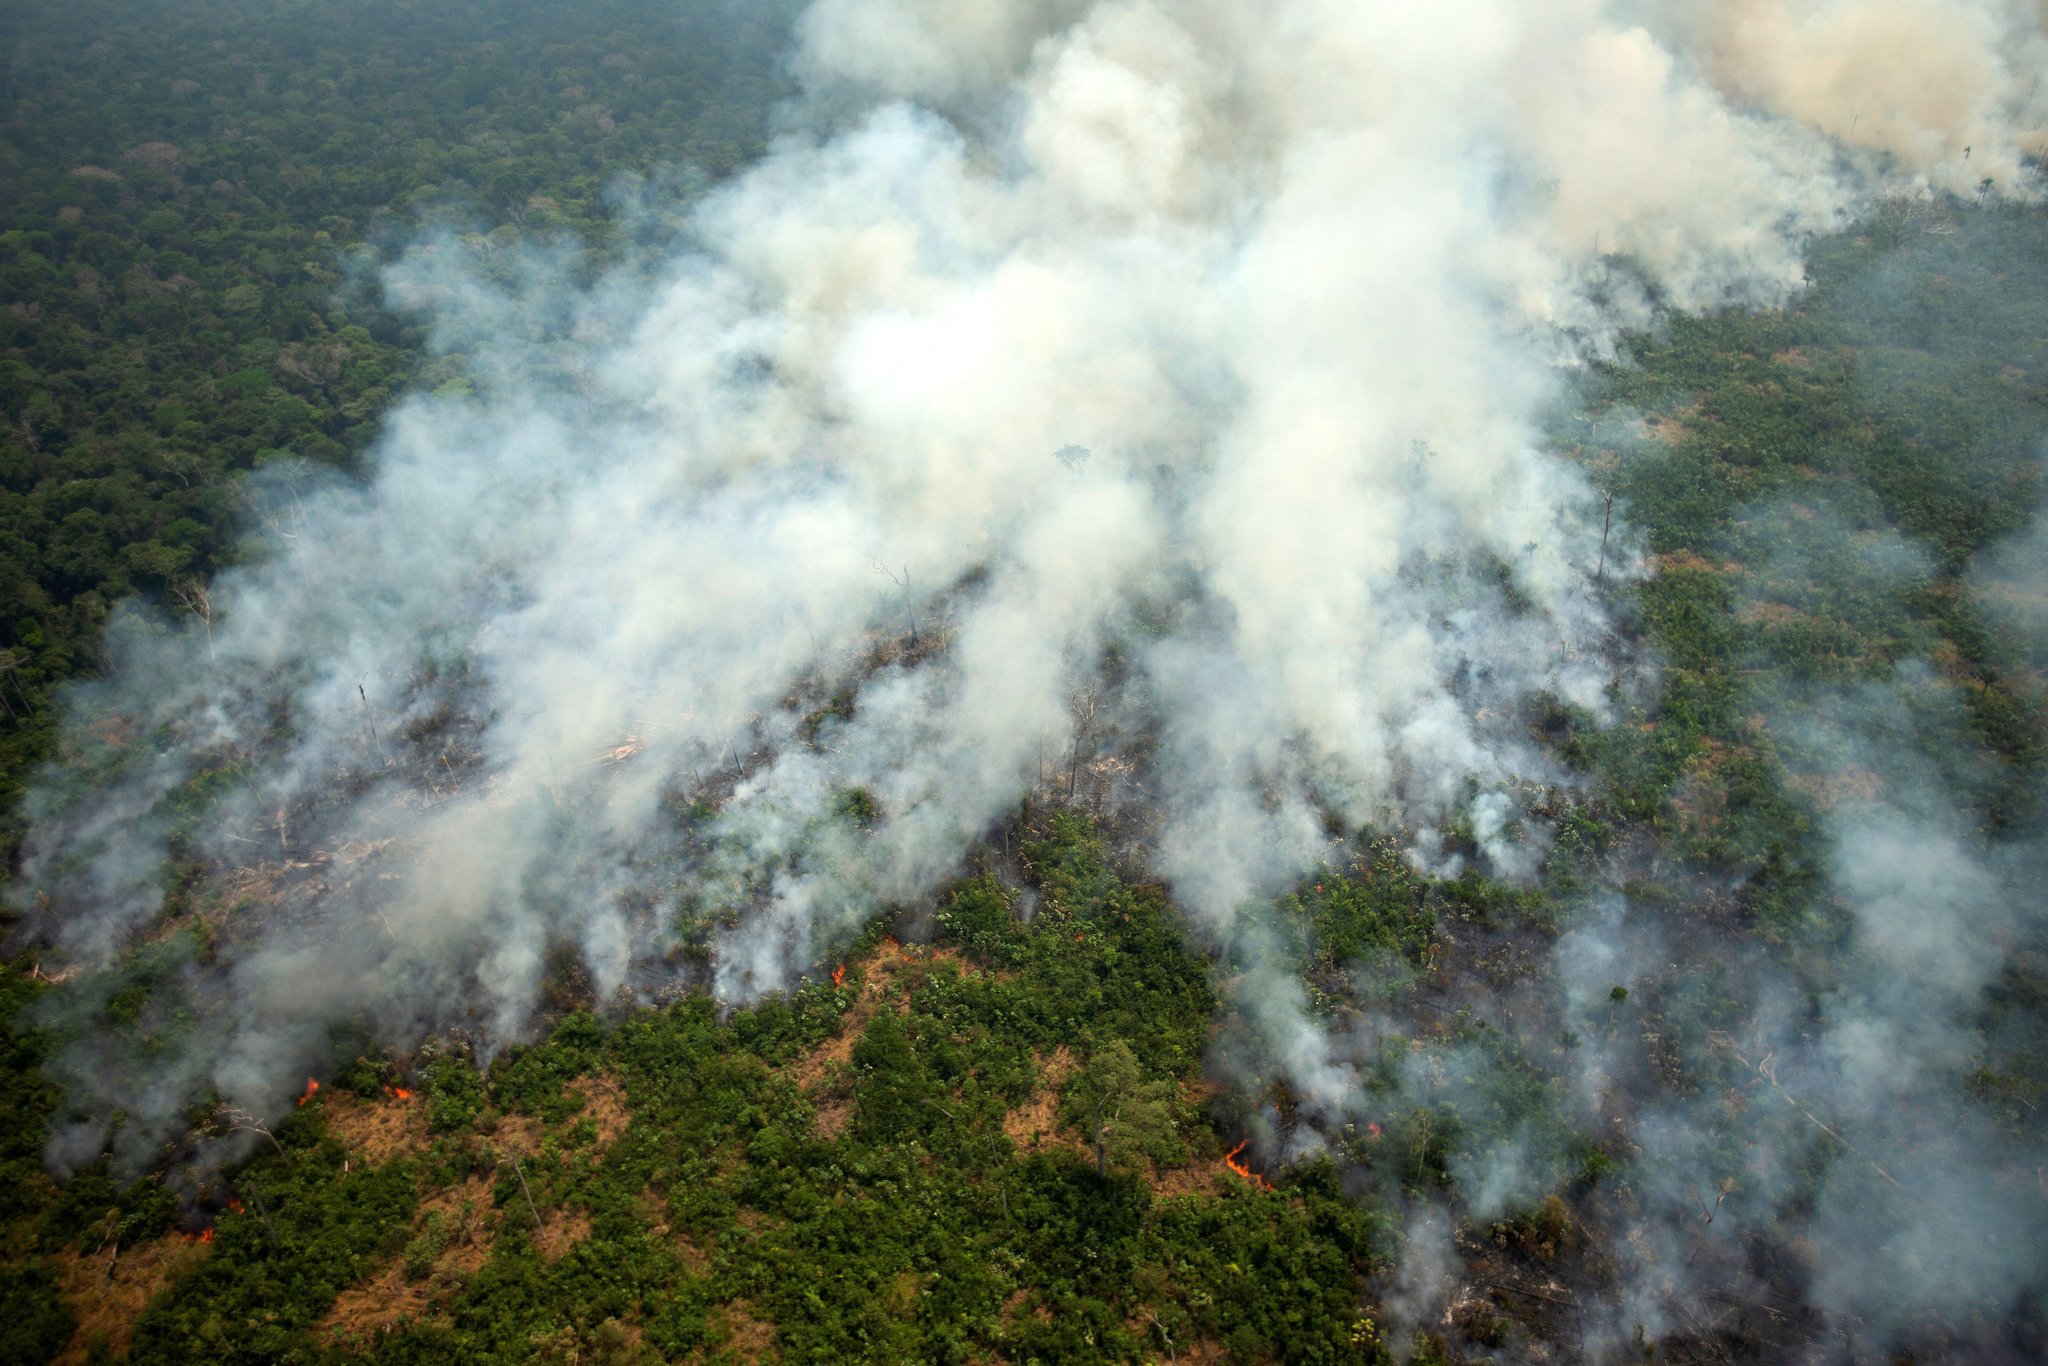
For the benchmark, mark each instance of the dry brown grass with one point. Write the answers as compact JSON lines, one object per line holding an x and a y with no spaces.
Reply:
{"x":1686,"y":560}
{"x":1770,"y":613}
{"x":107,"y":1290}
{"x":830,"y":1115}
{"x":560,"y":1231}
{"x":368,"y":1308}
{"x":1847,"y":784}
{"x":1034,"y":1125}
{"x":371,"y":1307}
{"x":1670,"y":428}
{"x":513,"y":1135}
{"x":753,"y":1220}
{"x":1192,"y":1178}
{"x":822,"y":1062}
{"x":747,"y":1338}
{"x":604,"y":1101}
{"x":888,"y":977}
{"x":376,"y":1130}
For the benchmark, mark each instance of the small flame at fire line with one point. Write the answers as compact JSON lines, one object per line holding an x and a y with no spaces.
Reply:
{"x":398,"y":1093}
{"x":235,"y":1205}
{"x":839,"y":974}
{"x":1230,"y":1161}
{"x":307,"y":1094}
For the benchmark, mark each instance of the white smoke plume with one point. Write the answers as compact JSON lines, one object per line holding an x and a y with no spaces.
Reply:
{"x":598,"y":651}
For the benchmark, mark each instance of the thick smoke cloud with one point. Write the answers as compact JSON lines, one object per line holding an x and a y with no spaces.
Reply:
{"x":597,"y":653}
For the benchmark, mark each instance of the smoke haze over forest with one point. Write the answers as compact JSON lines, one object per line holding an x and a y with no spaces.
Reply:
{"x":1185,"y":410}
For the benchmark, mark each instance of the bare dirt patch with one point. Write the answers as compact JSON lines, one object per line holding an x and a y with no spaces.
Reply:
{"x":363,"y":1312}
{"x":753,"y":1220}
{"x":1830,"y":790}
{"x":1771,"y":613}
{"x":1014,"y":1307}
{"x":604,"y":1101}
{"x":1686,"y":560}
{"x":820,"y":1073}
{"x":696,"y":1250}
{"x":514,"y":1135}
{"x":888,"y":977}
{"x":1035,"y":1124}
{"x":1193,"y":1178}
{"x":1670,"y":428}
{"x":896,"y":969}
{"x":830,"y":1116}
{"x":107,"y":1290}
{"x":818,"y":1064}
{"x":748,"y":1338}
{"x":560,"y":1231}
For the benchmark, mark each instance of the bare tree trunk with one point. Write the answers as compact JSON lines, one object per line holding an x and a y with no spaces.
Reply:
{"x":1084,"y":712}
{"x":368,"y":717}
{"x":1606,"y":522}
{"x":902,"y":581}
{"x":263,"y":1213}
{"x":527,"y":1193}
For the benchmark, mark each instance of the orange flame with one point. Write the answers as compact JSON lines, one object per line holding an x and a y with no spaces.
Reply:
{"x":1373,"y":1129}
{"x":307,"y":1094}
{"x":398,"y":1093}
{"x":1230,"y":1161}
{"x":235,"y":1205}
{"x":839,"y":974}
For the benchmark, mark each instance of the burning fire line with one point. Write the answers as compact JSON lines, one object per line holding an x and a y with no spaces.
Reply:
{"x":1230,"y":1161}
{"x":839,"y":974}
{"x":398,"y":1093}
{"x":307,"y":1094}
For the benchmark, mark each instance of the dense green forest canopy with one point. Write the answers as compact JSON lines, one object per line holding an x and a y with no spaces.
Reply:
{"x":199,"y":198}
{"x":1000,"y":1143}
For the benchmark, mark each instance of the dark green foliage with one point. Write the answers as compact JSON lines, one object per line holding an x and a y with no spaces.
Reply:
{"x":911,"y":1228}
{"x":453,"y":1090}
{"x":91,"y":1208}
{"x":1127,"y":1117}
{"x":34,"y":1323}
{"x":253,"y":1299}
{"x":978,"y":918}
{"x":530,"y":1079}
{"x":26,"y":1100}
{"x":1267,"y":1276}
{"x":198,"y":195}
{"x":1373,"y":917}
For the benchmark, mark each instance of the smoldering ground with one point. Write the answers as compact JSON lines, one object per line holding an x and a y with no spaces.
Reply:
{"x":743,"y":592}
